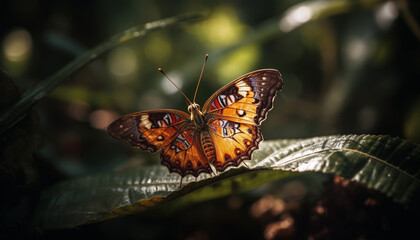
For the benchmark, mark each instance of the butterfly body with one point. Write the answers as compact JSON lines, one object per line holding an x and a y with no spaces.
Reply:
{"x":196,"y":115}
{"x":223,"y":133}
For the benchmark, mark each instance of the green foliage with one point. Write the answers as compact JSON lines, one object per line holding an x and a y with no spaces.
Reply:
{"x":344,"y":73}
{"x":11,"y":115}
{"x":388,"y":165}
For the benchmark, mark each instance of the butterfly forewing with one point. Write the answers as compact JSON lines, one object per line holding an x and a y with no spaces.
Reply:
{"x":150,"y":130}
{"x":247,"y":99}
{"x":168,"y":130}
{"x":234,"y":113}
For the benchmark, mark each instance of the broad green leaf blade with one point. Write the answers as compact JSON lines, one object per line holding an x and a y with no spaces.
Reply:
{"x":102,"y":196}
{"x":15,"y":112}
{"x":389,"y":165}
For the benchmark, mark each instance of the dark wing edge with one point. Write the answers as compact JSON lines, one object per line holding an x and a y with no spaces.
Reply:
{"x":275,"y":83}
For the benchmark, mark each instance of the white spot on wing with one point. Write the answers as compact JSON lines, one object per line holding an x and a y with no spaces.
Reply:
{"x":230,"y":100}
{"x":145,"y":121}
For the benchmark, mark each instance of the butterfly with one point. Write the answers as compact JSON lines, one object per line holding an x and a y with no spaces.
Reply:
{"x":222,"y":134}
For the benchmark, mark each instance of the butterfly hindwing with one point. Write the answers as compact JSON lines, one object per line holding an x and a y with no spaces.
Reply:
{"x":149,"y":130}
{"x":233,"y":142}
{"x":184,"y":155}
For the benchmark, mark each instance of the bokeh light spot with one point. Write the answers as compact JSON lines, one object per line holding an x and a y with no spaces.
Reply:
{"x":222,"y":29}
{"x":167,"y":86}
{"x":356,"y":50}
{"x":122,"y":62}
{"x":386,"y":14}
{"x":237,"y":63}
{"x":17,"y":45}
{"x":101,"y":118}
{"x":295,"y":17}
{"x":267,"y":204}
{"x":276,"y":229}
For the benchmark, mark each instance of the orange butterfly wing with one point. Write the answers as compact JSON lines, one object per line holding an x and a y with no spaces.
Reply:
{"x":234,"y":113}
{"x":233,"y":142}
{"x":149,"y":130}
{"x":185,"y":155}
{"x":230,"y":134}
{"x":168,"y":130}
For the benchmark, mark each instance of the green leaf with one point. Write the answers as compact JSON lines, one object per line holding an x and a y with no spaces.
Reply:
{"x":389,"y":165}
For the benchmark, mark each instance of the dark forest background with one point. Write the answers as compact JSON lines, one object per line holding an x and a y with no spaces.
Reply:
{"x":355,"y":72}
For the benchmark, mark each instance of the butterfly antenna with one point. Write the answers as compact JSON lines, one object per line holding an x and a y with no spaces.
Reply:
{"x":201,"y":75}
{"x":164,"y":74}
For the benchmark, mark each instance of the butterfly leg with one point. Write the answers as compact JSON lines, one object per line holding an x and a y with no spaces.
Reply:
{"x":213,"y":170}
{"x":245,"y":164}
{"x":180,"y":183}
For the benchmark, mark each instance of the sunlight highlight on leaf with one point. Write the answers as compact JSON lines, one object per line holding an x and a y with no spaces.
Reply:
{"x":388,"y":165}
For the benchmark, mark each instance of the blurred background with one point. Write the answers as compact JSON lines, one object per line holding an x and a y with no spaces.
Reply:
{"x":354,"y":72}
